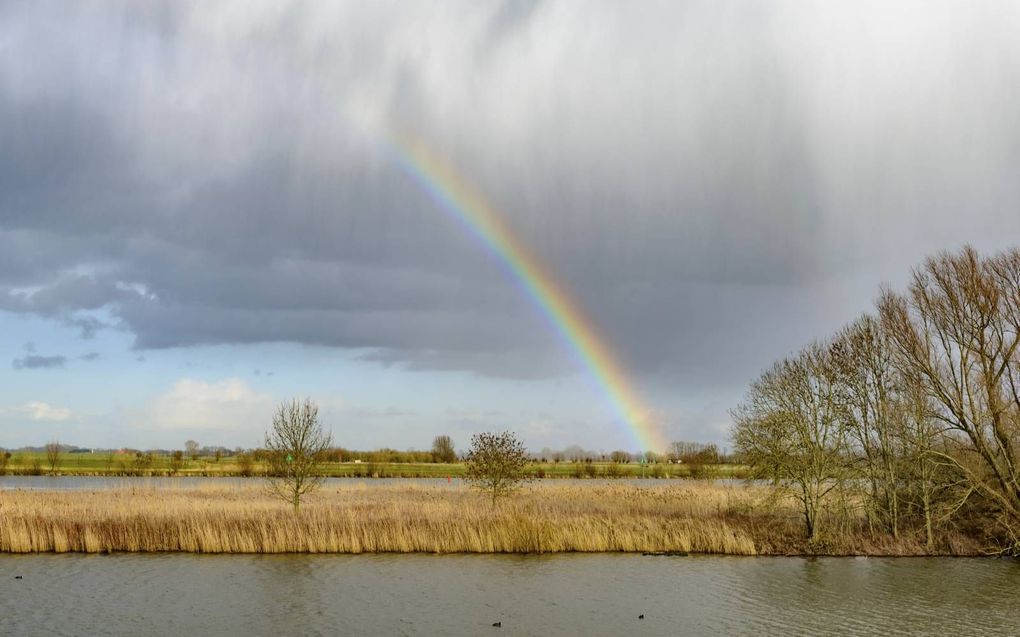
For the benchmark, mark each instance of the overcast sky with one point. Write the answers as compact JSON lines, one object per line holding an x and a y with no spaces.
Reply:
{"x":196,"y":223}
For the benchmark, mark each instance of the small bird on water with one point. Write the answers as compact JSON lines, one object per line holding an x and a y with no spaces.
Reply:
{"x":18,"y":577}
{"x":497,"y":624}
{"x":640,"y":616}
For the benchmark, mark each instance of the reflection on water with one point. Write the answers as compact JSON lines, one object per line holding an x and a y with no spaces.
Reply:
{"x":531,"y":595}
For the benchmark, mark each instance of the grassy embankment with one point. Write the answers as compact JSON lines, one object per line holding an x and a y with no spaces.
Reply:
{"x":692,"y":517}
{"x":120,"y":464}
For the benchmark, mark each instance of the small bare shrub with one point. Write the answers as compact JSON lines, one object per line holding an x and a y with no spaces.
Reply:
{"x":53,"y":455}
{"x":245,"y":464}
{"x":176,"y":462}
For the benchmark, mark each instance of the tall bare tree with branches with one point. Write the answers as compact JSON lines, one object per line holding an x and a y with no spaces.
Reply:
{"x":789,"y":431}
{"x":443,"y":450}
{"x":296,"y":447}
{"x":53,"y":452}
{"x":958,"y":330}
{"x":868,"y":394}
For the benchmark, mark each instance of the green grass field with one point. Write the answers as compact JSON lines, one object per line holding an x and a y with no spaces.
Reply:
{"x":99,"y":464}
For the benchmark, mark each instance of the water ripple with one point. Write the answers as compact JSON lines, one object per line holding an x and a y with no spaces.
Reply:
{"x":531,"y":595}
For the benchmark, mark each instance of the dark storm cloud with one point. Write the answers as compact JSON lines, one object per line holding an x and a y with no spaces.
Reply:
{"x":715,"y":183}
{"x":33,"y":361}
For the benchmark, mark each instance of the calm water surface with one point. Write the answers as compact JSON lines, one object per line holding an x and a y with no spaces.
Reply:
{"x":531,"y":595}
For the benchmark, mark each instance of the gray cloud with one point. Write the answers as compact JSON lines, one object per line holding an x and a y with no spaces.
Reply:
{"x":713,"y":183}
{"x":33,"y":361}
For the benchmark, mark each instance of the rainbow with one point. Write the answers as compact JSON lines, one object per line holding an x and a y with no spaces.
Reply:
{"x":486,"y":224}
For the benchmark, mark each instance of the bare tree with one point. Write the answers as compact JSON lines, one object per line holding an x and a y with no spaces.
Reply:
{"x":442,"y":450}
{"x":245,"y":464}
{"x":958,"y":331}
{"x":620,"y":457}
{"x":789,"y":431}
{"x":296,"y":446}
{"x":868,"y":394}
{"x":931,"y":481}
{"x":693,"y":452}
{"x":53,"y":455}
{"x":496,"y":464}
{"x":142,"y":463}
{"x":191,"y":448}
{"x":176,"y":462}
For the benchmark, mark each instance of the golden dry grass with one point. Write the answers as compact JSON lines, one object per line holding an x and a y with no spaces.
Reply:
{"x":357,"y":518}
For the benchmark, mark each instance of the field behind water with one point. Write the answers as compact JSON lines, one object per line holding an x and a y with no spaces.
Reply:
{"x":129,"y":464}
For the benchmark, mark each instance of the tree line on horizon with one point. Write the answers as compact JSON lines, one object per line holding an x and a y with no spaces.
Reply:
{"x":909,"y":415}
{"x":443,"y":450}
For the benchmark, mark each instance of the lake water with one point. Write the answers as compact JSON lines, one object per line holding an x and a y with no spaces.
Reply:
{"x":604,"y":594}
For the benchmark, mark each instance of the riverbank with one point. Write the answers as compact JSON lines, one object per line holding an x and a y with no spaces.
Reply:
{"x":356,"y":518}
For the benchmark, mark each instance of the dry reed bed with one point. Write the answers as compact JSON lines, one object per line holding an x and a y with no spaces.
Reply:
{"x":357,"y":518}
{"x":392,"y":518}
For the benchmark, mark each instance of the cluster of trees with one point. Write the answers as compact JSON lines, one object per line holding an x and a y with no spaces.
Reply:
{"x":572,"y":453}
{"x":443,"y":450}
{"x":296,"y":445}
{"x":53,"y":451}
{"x":912,"y":413}
{"x":686,"y":452}
{"x":624,"y":457}
{"x":695,"y":453}
{"x":194,"y":451}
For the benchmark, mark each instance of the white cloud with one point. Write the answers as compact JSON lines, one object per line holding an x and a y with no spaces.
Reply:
{"x":45,"y":412}
{"x":226,"y":404}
